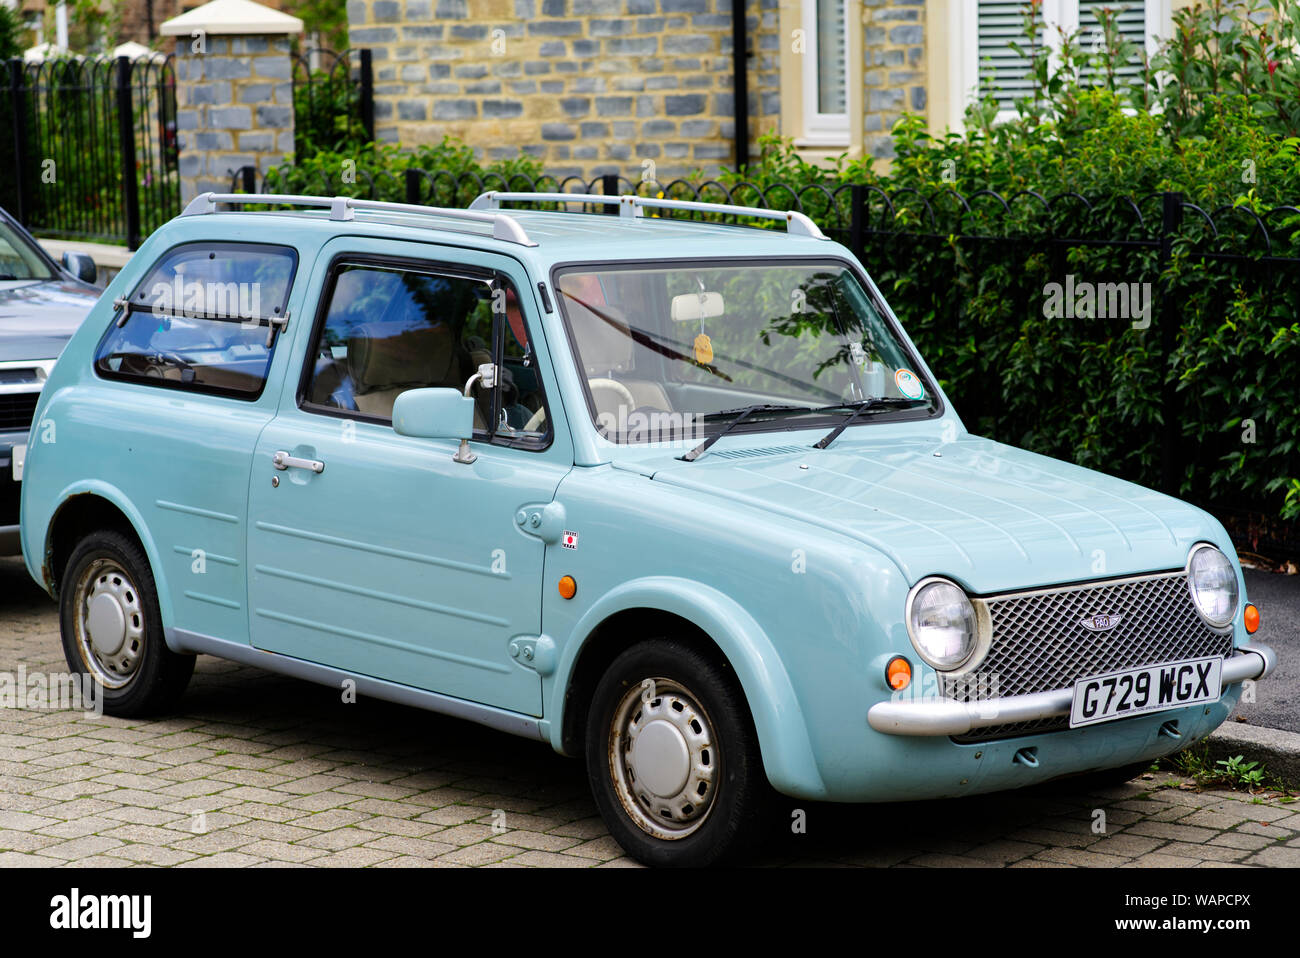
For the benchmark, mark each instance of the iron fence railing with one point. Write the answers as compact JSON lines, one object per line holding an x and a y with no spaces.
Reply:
{"x":334,"y":99}
{"x":94,"y":146}
{"x":1162,"y":239}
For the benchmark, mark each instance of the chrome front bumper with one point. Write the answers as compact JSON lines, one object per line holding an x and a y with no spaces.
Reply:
{"x":946,"y":717}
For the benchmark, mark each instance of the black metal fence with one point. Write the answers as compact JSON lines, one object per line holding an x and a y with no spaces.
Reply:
{"x":1219,"y":251}
{"x":94,"y":151}
{"x":334,"y":100}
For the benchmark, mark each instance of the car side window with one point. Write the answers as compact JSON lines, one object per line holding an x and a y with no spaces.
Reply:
{"x":202,"y":319}
{"x":387,"y":329}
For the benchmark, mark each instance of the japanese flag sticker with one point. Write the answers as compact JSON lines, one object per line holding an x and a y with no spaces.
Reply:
{"x":909,"y":384}
{"x":569,"y":540}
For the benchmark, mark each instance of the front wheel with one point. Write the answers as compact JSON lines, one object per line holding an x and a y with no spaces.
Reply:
{"x":673,"y":759}
{"x":112,"y":630}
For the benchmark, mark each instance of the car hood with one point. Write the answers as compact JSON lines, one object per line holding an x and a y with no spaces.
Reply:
{"x":990,"y":516}
{"x":37,"y":317}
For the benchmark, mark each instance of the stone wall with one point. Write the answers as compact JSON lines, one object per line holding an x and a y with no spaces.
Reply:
{"x":586,"y":86}
{"x":893,"y":69}
{"x":234,"y":108}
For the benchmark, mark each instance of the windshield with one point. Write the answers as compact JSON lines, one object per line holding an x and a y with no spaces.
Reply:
{"x":17,"y":259}
{"x":667,"y":351}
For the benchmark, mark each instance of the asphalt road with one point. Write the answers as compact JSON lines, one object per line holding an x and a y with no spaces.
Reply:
{"x":1277,"y":698}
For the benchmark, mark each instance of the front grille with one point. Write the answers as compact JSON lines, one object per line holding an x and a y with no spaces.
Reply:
{"x":17,"y":409}
{"x":1039,"y":642}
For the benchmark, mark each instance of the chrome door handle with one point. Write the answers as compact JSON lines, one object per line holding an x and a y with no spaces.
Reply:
{"x":282,"y":460}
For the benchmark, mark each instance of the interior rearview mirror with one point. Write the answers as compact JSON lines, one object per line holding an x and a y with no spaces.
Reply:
{"x":696,"y":306}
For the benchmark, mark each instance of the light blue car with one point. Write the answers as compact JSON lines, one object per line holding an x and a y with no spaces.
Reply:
{"x":677,"y":497}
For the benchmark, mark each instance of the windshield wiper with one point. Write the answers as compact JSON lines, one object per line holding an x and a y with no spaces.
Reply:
{"x":862,"y":408}
{"x":740,"y":416}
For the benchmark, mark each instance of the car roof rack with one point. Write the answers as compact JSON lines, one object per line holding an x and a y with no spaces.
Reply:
{"x":504,"y":227}
{"x":630,"y":205}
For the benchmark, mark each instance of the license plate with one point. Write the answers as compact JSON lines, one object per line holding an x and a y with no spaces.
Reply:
{"x":1153,"y":688}
{"x":19,"y":456}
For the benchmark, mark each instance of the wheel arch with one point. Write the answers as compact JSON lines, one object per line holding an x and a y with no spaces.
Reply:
{"x":643,"y":608}
{"x":84,"y":508}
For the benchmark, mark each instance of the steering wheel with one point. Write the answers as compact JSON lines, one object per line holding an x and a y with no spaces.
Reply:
{"x":614,"y":386}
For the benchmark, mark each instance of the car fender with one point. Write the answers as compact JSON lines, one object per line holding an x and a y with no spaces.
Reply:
{"x":778,"y":719}
{"x":118,"y":498}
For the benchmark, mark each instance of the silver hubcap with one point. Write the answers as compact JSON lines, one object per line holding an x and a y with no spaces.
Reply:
{"x":110,"y":623}
{"x":664,"y":760}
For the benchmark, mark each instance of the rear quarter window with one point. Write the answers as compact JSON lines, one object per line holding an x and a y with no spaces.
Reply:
{"x":203,"y":319}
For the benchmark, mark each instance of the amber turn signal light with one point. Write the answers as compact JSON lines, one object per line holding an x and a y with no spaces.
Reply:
{"x":568,"y":587}
{"x":1252,"y":619}
{"x":898,"y":673}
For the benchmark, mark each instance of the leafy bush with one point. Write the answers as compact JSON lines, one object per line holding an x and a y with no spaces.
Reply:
{"x":1204,"y":386}
{"x":377,"y":171}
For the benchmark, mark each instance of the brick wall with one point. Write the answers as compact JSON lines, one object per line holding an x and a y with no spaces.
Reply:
{"x":234,"y":108}
{"x":587,"y":86}
{"x":893,"y":69}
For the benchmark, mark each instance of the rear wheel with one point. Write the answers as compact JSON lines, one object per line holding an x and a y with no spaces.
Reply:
{"x":672,"y":757}
{"x":112,"y":630}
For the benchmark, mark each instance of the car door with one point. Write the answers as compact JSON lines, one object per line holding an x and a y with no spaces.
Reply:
{"x":390,"y":558}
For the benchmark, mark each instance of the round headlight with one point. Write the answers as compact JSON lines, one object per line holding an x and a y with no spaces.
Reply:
{"x":1213,"y":583}
{"x":941,"y":622}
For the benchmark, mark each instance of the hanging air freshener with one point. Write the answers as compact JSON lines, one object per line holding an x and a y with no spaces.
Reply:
{"x":703,"y":349}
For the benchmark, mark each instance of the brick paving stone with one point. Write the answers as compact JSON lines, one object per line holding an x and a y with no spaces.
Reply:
{"x":1182,"y":833}
{"x":223,"y":860}
{"x":540,"y":859}
{"x":1276,"y":856}
{"x":1268,"y":831}
{"x":1204,"y":851}
{"x":1004,"y":852}
{"x":1156,"y":860}
{"x":413,"y":847}
{"x":287,"y":777}
{"x":582,"y":828}
{"x":12,"y":841}
{"x":275,"y":831}
{"x":1125,"y":845}
{"x":82,"y":847}
{"x":150,"y":854}
{"x":478,"y":854}
{"x":23,"y":860}
{"x":1240,"y":840}
{"x":282,"y":851}
{"x":355,"y":857}
{"x":523,"y":838}
{"x":338,"y":839}
{"x":601,"y":849}
{"x":454,"y":815}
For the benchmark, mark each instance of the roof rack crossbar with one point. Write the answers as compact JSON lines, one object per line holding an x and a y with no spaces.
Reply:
{"x":504,"y":227}
{"x":631,"y":205}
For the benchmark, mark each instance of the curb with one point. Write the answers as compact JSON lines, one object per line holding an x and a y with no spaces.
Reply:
{"x":1276,"y":750}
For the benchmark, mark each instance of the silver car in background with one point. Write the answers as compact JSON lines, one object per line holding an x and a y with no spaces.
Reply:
{"x":41,"y":304}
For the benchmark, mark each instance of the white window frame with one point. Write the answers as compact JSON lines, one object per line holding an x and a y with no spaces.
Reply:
{"x":825,"y":129}
{"x":964,"y":78}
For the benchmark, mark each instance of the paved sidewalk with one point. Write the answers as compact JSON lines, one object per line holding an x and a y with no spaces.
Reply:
{"x":257,"y":770}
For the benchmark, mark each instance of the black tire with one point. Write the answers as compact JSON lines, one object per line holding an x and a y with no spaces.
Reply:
{"x":142,"y":676}
{"x":690,"y":687}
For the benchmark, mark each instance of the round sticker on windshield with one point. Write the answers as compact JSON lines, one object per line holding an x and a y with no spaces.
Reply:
{"x":909,"y":384}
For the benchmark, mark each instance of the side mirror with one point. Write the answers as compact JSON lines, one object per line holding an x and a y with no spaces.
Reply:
{"x":433,"y":414}
{"x":81,"y":265}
